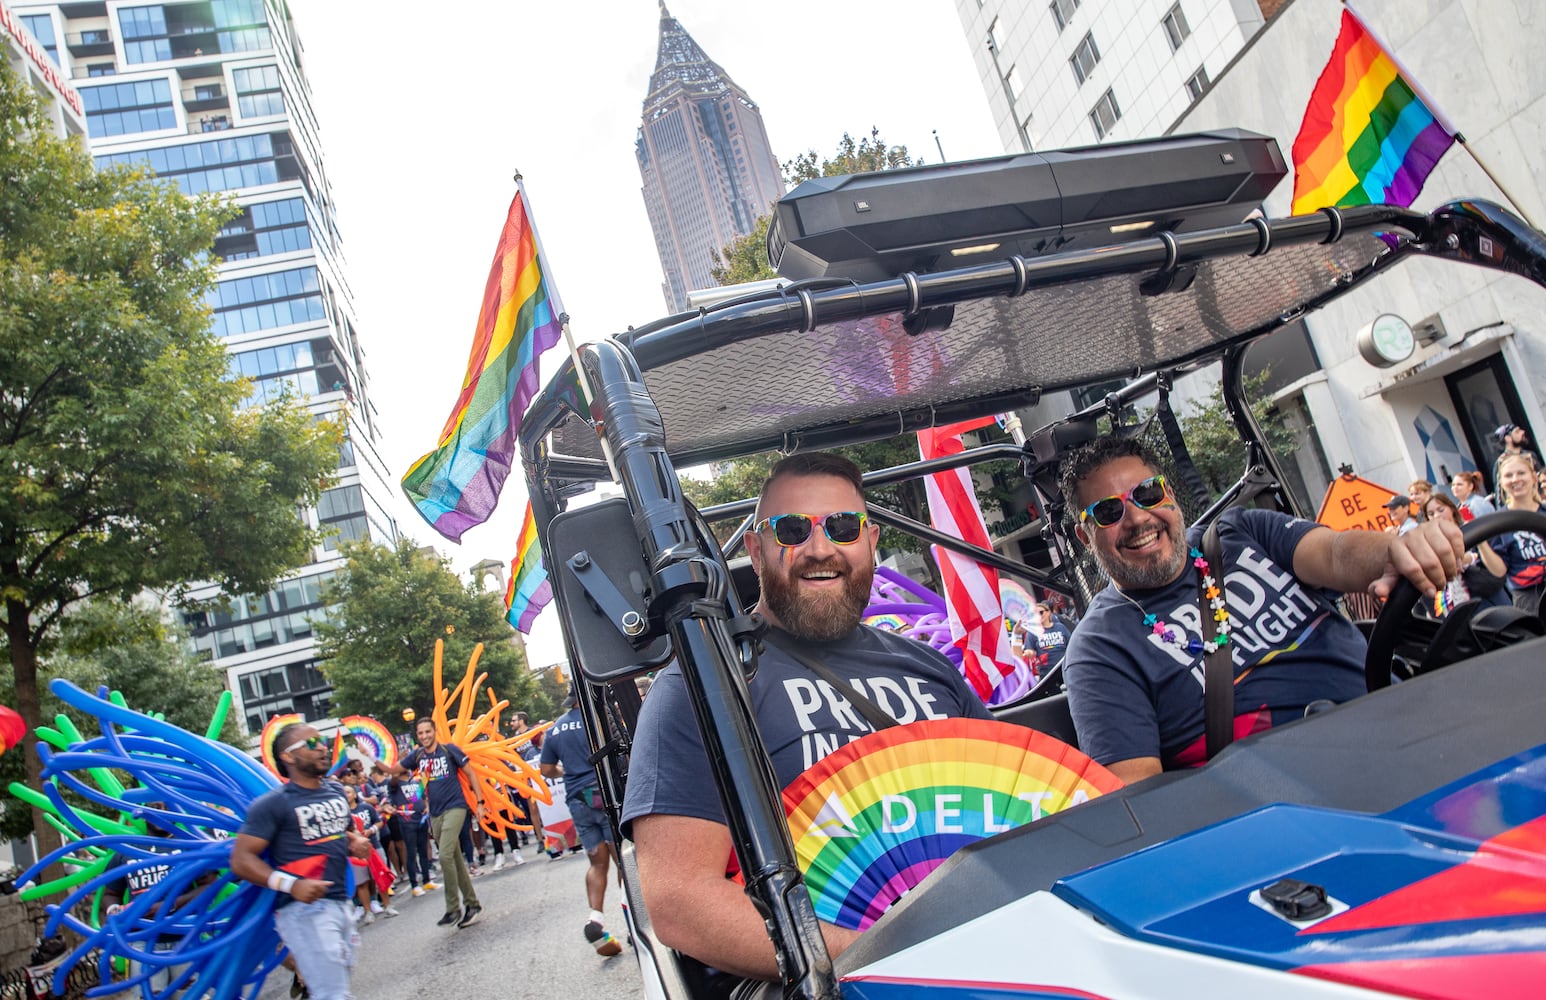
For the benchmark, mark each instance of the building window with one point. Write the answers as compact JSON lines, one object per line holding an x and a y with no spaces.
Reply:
{"x":217,"y":165}
{"x":1176,"y":28}
{"x":1105,"y":114}
{"x":1016,"y":85}
{"x":1084,"y":59}
{"x":42,"y":28}
{"x":1062,"y":11}
{"x":257,"y":92}
{"x":101,"y":69}
{"x":265,"y":301}
{"x":1196,"y":84}
{"x":144,"y":33}
{"x":994,"y":39}
{"x":125,"y":108}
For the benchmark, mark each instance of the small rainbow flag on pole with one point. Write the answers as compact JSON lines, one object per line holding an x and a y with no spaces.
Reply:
{"x":456,"y":486}
{"x":1370,"y":135}
{"x":528,"y":591}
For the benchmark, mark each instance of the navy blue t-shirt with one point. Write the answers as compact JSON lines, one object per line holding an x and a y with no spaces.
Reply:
{"x":1524,"y":556}
{"x":1134,"y":695}
{"x":437,"y":769}
{"x":307,"y":833}
{"x":566,"y":743}
{"x":1050,"y":646}
{"x":801,"y":717}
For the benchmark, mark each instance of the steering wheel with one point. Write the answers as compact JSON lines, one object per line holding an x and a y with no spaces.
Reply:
{"x":1386,"y":633}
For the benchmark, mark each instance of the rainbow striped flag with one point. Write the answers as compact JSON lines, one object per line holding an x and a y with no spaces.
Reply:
{"x":528,"y":591}
{"x":456,"y":486}
{"x":1367,"y":136}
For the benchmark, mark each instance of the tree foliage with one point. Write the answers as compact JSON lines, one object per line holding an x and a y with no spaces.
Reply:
{"x":1214,"y":443}
{"x":378,"y":648}
{"x":746,"y":259}
{"x":127,"y":648}
{"x":127,"y":460}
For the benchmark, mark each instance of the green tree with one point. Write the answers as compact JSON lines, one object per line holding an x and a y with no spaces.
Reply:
{"x":1214,"y":443}
{"x":127,"y":460}
{"x":129,"y":649}
{"x":746,"y":259}
{"x":392,"y":604}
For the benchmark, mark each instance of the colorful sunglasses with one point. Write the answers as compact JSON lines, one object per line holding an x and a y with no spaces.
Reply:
{"x":843,"y":527}
{"x":1109,"y":510}
{"x":310,"y":743}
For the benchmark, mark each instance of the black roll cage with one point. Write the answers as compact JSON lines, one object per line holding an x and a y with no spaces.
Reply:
{"x":603,"y":399}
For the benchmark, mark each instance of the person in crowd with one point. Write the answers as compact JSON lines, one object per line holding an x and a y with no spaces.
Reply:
{"x":813,"y":548}
{"x":379,"y":787}
{"x":1473,"y":501}
{"x":370,"y":898}
{"x":1514,"y":440}
{"x":1523,"y":552}
{"x":1051,"y":642}
{"x":1419,"y":492}
{"x":297,"y":841}
{"x":566,"y":754}
{"x":1135,"y":665}
{"x":1484,"y":571}
{"x":406,"y":800}
{"x":439,"y":764}
{"x":531,"y":753}
{"x":1401,"y":519}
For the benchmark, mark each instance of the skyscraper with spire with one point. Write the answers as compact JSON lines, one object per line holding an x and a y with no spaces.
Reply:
{"x":709,"y":172}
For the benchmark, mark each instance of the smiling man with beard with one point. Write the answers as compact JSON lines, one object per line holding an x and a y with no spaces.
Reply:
{"x":1135,"y":665}
{"x":814,"y":551}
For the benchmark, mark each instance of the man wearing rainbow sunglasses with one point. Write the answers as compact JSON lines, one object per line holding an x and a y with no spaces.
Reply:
{"x":814,"y":551}
{"x":1135,"y":665}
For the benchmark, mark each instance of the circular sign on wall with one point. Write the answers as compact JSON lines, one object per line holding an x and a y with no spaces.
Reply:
{"x":1387,"y":341}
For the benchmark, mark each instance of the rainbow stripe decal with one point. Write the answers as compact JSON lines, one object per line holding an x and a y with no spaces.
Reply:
{"x":872,"y":819}
{"x":456,"y":486}
{"x":1367,"y":137}
{"x":266,"y":740}
{"x":373,"y":739}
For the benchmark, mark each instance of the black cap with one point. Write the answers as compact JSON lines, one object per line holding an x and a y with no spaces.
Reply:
{"x":1503,"y":431}
{"x":1399,"y":501}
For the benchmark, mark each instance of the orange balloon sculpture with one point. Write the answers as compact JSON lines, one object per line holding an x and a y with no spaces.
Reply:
{"x":494,"y":760}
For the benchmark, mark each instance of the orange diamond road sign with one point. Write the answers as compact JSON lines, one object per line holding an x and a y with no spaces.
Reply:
{"x":1354,"y":503}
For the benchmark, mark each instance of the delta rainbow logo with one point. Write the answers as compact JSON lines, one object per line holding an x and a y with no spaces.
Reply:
{"x":872,"y":819}
{"x":374,"y":739}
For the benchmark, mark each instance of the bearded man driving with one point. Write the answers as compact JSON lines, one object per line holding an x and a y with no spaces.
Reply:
{"x":813,"y":548}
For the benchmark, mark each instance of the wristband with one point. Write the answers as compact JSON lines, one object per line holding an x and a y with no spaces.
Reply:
{"x":281,"y":881}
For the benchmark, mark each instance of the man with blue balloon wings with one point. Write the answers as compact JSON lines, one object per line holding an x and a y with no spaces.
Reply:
{"x":814,"y":551}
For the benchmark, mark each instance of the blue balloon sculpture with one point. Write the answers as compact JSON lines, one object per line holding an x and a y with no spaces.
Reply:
{"x":189,"y":798}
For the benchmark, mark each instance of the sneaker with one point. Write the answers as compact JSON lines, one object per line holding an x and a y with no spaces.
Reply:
{"x":555,"y":855}
{"x":389,"y":911}
{"x":375,"y":906}
{"x":359,"y":913}
{"x":469,"y":916}
{"x":368,"y":919}
{"x":450,"y":918}
{"x":418,"y":890}
{"x":605,"y":944}
{"x":499,"y":862}
{"x":431,"y":886}
{"x":298,"y":990}
{"x":475,"y":871}
{"x":516,"y":859}
{"x":575,"y":849}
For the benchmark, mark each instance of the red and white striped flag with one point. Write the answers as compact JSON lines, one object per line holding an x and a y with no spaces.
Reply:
{"x":971,"y":589}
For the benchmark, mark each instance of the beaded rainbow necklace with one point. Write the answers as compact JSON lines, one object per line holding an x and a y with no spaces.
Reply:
{"x":1212,"y":593}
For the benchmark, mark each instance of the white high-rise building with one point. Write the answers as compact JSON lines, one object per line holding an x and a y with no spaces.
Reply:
{"x":31,"y":49}
{"x":1075,"y":72}
{"x":212,"y":94}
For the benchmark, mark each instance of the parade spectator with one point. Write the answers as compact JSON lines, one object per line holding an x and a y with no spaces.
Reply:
{"x":392,"y":830}
{"x":531,"y":753}
{"x":1135,"y":662}
{"x":1467,"y":487}
{"x":1050,"y":642}
{"x":1523,"y":552}
{"x":813,"y":549}
{"x":1514,"y":441}
{"x":1401,"y":519}
{"x":413,"y":823}
{"x":297,"y":841}
{"x":566,"y":754}
{"x":1484,"y":571}
{"x":369,"y":896}
{"x":1419,"y":492}
{"x":438,"y":765}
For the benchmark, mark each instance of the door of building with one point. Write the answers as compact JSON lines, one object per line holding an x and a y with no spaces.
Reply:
{"x":1485,"y":399}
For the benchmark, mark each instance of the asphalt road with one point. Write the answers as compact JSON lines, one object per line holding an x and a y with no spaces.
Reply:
{"x":528,"y":943}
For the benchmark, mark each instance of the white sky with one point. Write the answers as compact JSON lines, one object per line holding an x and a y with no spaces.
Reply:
{"x":426,"y":112}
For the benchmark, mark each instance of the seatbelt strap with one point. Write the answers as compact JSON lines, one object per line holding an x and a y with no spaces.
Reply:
{"x":1219,"y":665}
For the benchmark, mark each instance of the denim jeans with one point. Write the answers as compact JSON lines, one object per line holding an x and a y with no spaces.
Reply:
{"x":447,"y":828}
{"x":323,"y":941}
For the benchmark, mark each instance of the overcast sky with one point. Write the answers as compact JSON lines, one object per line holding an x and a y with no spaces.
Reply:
{"x":426,"y":112}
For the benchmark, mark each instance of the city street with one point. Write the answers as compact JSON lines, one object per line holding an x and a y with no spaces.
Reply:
{"x":528,"y":943}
